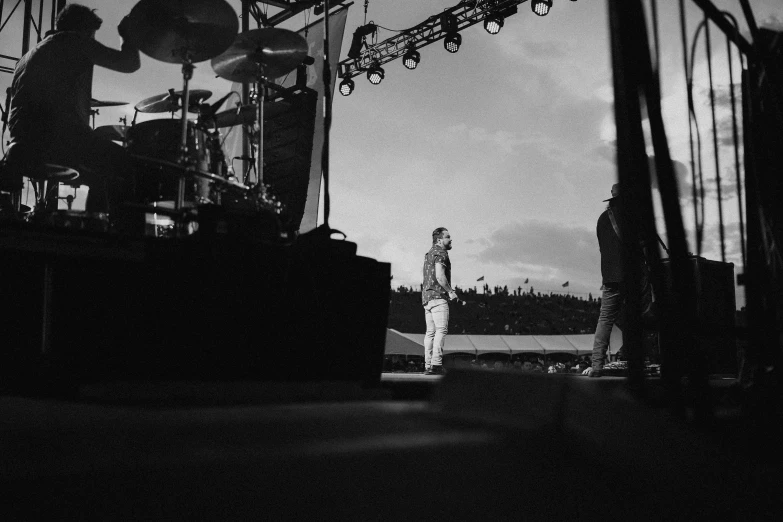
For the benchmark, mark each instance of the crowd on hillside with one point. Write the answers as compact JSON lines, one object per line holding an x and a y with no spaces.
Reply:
{"x":498,"y":311}
{"x":557,"y":363}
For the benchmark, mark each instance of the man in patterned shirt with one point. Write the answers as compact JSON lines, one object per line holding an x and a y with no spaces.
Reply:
{"x":436,"y":291}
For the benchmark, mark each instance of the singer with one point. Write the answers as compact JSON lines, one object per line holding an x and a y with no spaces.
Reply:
{"x":436,"y":292}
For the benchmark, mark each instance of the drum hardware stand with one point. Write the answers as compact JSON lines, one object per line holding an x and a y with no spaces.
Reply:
{"x":259,"y":163}
{"x":93,"y":112}
{"x":187,"y":75}
{"x":69,"y":199}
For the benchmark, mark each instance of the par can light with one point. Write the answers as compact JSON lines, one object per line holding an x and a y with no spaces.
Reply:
{"x":452,"y":42}
{"x":411,"y":59}
{"x":541,"y":7}
{"x":375,"y":74}
{"x":346,"y":87}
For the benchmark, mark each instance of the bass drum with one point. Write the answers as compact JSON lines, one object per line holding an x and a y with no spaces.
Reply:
{"x":155,"y":148}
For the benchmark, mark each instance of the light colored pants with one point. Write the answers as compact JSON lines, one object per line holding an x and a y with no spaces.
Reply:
{"x":436,"y":314}
{"x":611,"y":305}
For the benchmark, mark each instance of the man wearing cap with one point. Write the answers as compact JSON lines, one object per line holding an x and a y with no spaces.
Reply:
{"x":613,"y":278}
{"x":436,"y":291}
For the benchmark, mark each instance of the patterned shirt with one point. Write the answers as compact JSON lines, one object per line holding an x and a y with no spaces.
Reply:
{"x":430,"y":288}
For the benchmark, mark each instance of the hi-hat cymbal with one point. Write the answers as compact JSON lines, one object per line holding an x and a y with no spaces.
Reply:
{"x":98,"y":103}
{"x":171,"y":101}
{"x":112,"y":132}
{"x":268,"y":53}
{"x":168,"y":30}
{"x":246,"y":114}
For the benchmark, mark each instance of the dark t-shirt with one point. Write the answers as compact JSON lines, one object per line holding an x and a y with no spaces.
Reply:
{"x":431,"y":289}
{"x":612,"y":269}
{"x":52,"y":89}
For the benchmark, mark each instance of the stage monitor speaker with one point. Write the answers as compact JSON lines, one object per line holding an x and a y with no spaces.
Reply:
{"x":714,"y":311}
{"x":288,"y":148}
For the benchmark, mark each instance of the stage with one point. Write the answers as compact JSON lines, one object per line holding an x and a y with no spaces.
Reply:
{"x":499,"y":445}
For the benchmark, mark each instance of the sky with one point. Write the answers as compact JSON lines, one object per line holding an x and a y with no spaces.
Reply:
{"x":508,"y":143}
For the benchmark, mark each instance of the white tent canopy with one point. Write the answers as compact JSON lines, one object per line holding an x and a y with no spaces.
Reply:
{"x":399,"y":344}
{"x":523,"y":344}
{"x":581,"y":344}
{"x":488,"y":344}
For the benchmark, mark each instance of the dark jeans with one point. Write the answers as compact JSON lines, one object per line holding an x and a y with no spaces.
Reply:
{"x":103,"y":166}
{"x":612,"y":297}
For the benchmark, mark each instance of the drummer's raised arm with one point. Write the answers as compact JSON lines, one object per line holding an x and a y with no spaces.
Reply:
{"x":125,"y":60}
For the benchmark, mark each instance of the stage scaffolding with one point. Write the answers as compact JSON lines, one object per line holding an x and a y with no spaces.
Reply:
{"x":635,"y":62}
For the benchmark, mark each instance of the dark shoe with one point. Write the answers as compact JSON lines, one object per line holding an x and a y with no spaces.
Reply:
{"x":437,"y":370}
{"x":595,"y":373}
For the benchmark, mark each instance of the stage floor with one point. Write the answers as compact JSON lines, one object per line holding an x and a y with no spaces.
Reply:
{"x":484,"y":445}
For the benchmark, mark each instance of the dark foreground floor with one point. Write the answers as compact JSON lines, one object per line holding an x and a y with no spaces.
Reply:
{"x":480,"y":446}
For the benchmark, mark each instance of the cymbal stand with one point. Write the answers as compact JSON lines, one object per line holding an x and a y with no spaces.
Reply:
{"x":93,"y":112}
{"x":187,"y":75}
{"x":261,"y":89}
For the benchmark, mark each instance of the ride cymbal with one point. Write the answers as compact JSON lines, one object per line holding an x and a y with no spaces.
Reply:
{"x":171,"y":101}
{"x":260,"y":53}
{"x":173,"y":31}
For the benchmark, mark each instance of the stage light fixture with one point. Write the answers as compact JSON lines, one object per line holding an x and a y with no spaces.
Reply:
{"x":346,"y":86}
{"x":450,"y":25}
{"x":375,"y":74}
{"x":493,"y":24}
{"x":541,"y":7}
{"x":452,"y":42}
{"x":411,"y":58}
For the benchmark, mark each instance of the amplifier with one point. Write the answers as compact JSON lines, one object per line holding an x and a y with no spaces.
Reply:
{"x":714,"y":311}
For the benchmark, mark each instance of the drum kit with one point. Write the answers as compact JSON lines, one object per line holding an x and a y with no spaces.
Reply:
{"x":180,"y":161}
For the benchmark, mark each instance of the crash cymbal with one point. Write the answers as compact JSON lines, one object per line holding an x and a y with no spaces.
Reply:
{"x":98,"y":103}
{"x":172,"y":101}
{"x":268,"y":53}
{"x":166,"y":30}
{"x":112,"y":132}
{"x":246,"y":114}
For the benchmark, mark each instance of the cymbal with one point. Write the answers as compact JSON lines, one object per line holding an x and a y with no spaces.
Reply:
{"x":171,"y":101}
{"x":267,"y":53}
{"x":98,"y":103}
{"x":246,"y":114}
{"x":112,"y":132}
{"x":168,"y":30}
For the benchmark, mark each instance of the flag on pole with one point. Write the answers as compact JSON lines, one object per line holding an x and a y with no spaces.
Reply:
{"x":565,"y":284}
{"x":480,"y":278}
{"x":526,"y":279}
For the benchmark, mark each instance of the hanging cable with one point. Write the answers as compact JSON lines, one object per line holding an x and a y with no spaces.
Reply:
{"x":735,"y":136}
{"x":716,"y":154}
{"x":695,"y":123}
{"x":694,"y":194}
{"x":657,"y":70}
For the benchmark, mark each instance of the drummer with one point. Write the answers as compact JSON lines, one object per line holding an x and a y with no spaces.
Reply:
{"x":50,"y":105}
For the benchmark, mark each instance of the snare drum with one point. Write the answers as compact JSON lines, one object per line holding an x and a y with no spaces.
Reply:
{"x":154,"y":146}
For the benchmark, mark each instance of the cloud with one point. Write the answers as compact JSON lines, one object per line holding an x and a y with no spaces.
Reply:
{"x":731,"y":238}
{"x":772,"y":22}
{"x":550,"y":251}
{"x":504,"y":141}
{"x":608,"y":151}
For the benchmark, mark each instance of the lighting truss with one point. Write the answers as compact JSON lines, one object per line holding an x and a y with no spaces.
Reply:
{"x":431,"y":30}
{"x":288,"y":9}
